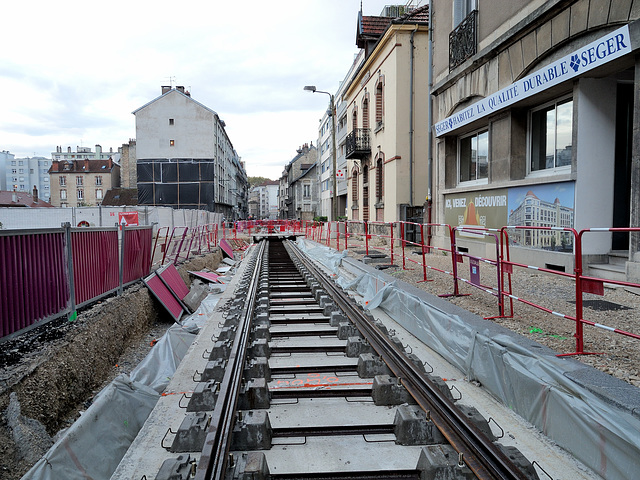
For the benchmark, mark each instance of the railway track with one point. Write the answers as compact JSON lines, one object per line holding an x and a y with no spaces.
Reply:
{"x":301,"y":383}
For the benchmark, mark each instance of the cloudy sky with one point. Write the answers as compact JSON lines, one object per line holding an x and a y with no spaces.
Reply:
{"x":71,"y":72}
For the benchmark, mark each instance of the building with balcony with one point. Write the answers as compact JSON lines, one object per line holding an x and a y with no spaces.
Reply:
{"x":387,"y":106}
{"x":539,"y":100}
{"x":185,"y":159}
{"x":325,"y":141}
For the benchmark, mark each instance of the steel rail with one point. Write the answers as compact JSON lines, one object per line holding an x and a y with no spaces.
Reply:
{"x":484,"y":458}
{"x":215,"y":452}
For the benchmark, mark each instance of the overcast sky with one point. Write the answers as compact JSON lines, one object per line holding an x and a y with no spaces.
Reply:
{"x":71,"y":72}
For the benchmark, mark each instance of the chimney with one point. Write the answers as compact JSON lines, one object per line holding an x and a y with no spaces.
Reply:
{"x":35,"y":194}
{"x":180,"y":88}
{"x":165,"y":89}
{"x":14,"y":196}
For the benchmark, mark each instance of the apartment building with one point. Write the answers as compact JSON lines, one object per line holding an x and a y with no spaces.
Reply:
{"x":387,"y":105}
{"x":185,"y":159}
{"x":25,"y":174}
{"x":78,"y":183}
{"x":539,"y":97}
{"x":298,"y":191}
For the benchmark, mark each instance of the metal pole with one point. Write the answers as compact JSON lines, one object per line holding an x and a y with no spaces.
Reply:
{"x":335,"y":168}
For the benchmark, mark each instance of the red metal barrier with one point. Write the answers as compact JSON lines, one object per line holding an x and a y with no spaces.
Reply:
{"x":136,"y":261}
{"x":585,"y":284}
{"x":96,"y":267}
{"x":34,"y":283}
{"x":474,"y":279}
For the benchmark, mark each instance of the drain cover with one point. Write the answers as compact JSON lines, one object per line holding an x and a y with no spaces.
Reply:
{"x":603,"y":305}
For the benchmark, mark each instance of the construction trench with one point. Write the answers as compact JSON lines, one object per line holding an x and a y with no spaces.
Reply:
{"x":59,"y":375}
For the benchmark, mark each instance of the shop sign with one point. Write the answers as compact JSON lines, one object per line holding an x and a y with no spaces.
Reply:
{"x":597,"y":53}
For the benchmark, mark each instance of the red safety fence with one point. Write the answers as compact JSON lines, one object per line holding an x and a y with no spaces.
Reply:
{"x":397,"y":238}
{"x":45,"y":274}
{"x":95,"y":262}
{"x":136,"y":261}
{"x":34,"y":282}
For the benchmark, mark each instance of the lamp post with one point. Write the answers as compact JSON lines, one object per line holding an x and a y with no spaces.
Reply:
{"x":332,"y":107}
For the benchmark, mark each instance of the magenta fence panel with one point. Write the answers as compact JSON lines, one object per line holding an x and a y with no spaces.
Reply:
{"x":137,"y":253}
{"x":96,"y":268}
{"x":34,"y":282}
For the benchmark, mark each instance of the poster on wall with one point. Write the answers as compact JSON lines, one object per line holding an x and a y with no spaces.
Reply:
{"x":544,"y":205}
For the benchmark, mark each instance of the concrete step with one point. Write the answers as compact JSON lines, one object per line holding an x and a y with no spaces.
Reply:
{"x":607,"y":271}
{"x":618,"y":257}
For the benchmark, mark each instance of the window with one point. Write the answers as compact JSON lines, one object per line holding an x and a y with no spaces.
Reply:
{"x":63,"y":181}
{"x":22,"y":170}
{"x":354,"y":188}
{"x":63,"y":194}
{"x":550,"y":136}
{"x":99,"y":180}
{"x":462,"y":8}
{"x":14,"y":171}
{"x":171,"y":121}
{"x":31,"y":171}
{"x":473,"y":160}
{"x":365,"y":113}
{"x":13,"y":162}
{"x":379,"y":175}
{"x":306,"y":190}
{"x":80,"y":194}
{"x":172,"y":143}
{"x":379,"y":104}
{"x":79,"y":181}
{"x":98,"y":194}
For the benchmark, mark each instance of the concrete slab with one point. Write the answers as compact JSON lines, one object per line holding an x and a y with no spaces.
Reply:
{"x":375,"y":453}
{"x":146,"y":454}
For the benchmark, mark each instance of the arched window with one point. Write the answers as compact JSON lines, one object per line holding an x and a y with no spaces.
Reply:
{"x":379,"y":178}
{"x":354,"y":186}
{"x":379,"y":102}
{"x":365,"y":112}
{"x":354,"y":119}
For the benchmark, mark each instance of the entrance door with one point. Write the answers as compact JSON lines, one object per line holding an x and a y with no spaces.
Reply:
{"x":622,"y":178}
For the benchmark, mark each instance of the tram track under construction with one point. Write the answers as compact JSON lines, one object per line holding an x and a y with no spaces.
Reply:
{"x":291,"y":378}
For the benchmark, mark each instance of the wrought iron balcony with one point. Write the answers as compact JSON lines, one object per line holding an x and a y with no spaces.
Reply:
{"x":357,"y":143}
{"x":463,"y":41}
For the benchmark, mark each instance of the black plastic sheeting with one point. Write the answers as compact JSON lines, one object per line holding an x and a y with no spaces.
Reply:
{"x":184,"y":183}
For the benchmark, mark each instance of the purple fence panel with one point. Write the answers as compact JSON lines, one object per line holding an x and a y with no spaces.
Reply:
{"x":173,"y":280}
{"x":33,"y":278}
{"x":95,"y":263}
{"x":137,"y":253}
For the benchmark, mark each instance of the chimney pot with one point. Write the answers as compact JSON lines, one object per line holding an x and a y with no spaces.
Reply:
{"x":35,"y":194}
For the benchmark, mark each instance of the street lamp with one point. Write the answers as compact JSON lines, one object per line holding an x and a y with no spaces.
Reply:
{"x":313,"y":89}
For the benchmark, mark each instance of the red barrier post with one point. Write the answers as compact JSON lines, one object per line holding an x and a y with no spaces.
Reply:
{"x":366,"y":238}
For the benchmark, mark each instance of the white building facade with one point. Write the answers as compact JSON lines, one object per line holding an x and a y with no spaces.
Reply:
{"x":185,"y":158}
{"x":23,"y":174}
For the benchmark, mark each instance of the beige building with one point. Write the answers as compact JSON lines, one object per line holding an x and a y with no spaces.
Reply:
{"x":387,"y":105}
{"x":540,"y":97}
{"x":76,"y":183}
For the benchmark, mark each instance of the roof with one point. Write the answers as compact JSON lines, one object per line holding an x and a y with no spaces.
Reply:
{"x":120,"y":196}
{"x":82,"y":166}
{"x":23,"y":199}
{"x":170,"y":92}
{"x":372,"y":28}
